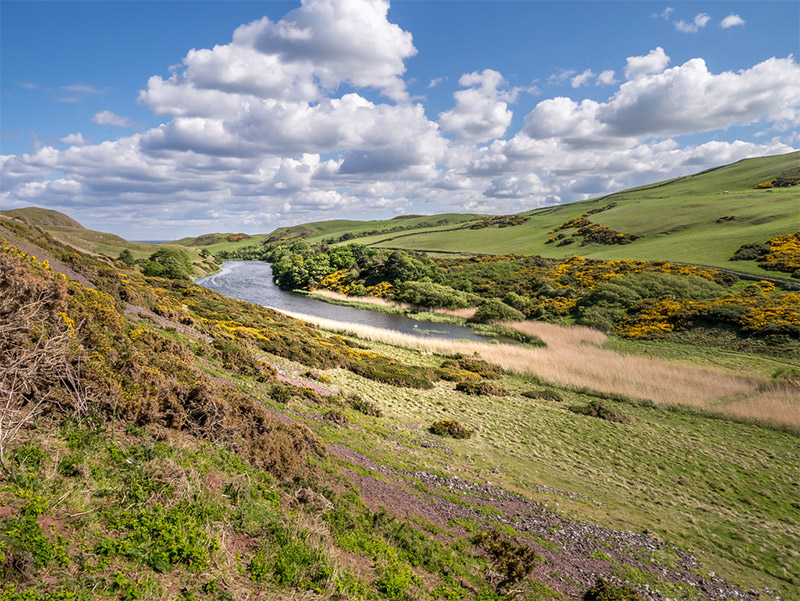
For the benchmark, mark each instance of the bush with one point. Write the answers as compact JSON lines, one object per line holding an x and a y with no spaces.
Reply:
{"x":546,"y":395}
{"x":428,"y":294}
{"x":336,"y":417}
{"x":364,"y":406}
{"x":477,"y":366}
{"x":603,"y":590}
{"x":126,"y":257}
{"x":599,"y":410}
{"x":480,"y":388}
{"x":451,"y":428}
{"x":750,"y":252}
{"x":495,"y":310}
{"x":170,"y":263}
{"x":514,"y":562}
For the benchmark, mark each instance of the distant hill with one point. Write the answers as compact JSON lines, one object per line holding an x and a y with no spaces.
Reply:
{"x":702,"y":218}
{"x":67,"y":230}
{"x":43,"y":217}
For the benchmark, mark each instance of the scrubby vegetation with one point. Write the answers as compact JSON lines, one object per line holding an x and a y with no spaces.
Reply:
{"x":781,"y":253}
{"x":161,"y":441}
{"x":451,"y":428}
{"x":633,"y":299}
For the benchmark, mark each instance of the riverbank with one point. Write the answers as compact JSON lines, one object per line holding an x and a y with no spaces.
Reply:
{"x":459,"y":317}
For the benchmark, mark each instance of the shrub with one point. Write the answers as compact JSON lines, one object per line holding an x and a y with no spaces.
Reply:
{"x":429,"y":294}
{"x":237,"y":237}
{"x":603,"y":590}
{"x":547,"y":395}
{"x":170,"y":263}
{"x":364,"y":406}
{"x":600,"y":410}
{"x":513,"y":561}
{"x":495,"y":310}
{"x":477,"y":366}
{"x":451,"y":428}
{"x":336,"y":416}
{"x":126,"y":257}
{"x":750,"y":252}
{"x":480,"y":388}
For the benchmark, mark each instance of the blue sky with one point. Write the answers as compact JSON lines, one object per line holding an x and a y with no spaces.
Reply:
{"x":150,"y":120}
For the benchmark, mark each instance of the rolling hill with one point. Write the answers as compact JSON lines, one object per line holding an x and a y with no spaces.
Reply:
{"x":700,"y":219}
{"x":70,"y":232}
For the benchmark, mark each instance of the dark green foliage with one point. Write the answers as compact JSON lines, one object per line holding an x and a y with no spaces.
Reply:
{"x":161,"y":538}
{"x":429,"y":294}
{"x":364,"y":406}
{"x":170,"y":263}
{"x":126,"y":256}
{"x":750,"y":252}
{"x":513,"y":561}
{"x":495,"y":310}
{"x":499,"y":221}
{"x":480,"y":388}
{"x":546,"y":395}
{"x":600,"y":410}
{"x":451,"y":428}
{"x":382,"y":369}
{"x":483,"y":368}
{"x":280,"y":393}
{"x":336,"y":416}
{"x":603,"y":590}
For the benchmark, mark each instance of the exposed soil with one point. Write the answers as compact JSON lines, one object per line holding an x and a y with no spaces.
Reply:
{"x":571,"y":549}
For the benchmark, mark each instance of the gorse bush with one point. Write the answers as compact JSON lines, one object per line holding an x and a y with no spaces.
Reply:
{"x":495,"y":310}
{"x":451,"y":428}
{"x":512,"y":561}
{"x":603,"y":590}
{"x":600,"y":410}
{"x":481,"y":388}
{"x":429,"y":294}
{"x":363,"y":405}
{"x":546,"y":395}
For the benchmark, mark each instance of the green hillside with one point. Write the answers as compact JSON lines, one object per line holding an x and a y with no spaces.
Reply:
{"x":675,"y":220}
{"x":67,"y":230}
{"x":161,"y":441}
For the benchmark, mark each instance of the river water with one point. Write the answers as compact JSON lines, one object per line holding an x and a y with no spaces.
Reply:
{"x":251,"y":281}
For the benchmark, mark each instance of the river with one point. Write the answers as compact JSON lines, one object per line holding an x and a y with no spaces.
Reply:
{"x":251,"y":281}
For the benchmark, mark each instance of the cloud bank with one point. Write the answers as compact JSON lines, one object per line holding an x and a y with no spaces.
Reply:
{"x":308,"y":117}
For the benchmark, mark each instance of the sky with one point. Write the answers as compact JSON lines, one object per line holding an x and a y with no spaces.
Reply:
{"x":157,"y":120}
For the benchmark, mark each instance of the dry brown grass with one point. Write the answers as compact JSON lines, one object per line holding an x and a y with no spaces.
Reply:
{"x":382,"y":302}
{"x":574,"y":359}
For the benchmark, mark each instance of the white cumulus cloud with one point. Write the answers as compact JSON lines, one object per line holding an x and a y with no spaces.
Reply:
{"x":700,"y":20}
{"x":732,"y":20}
{"x":481,"y":112}
{"x":653,"y":62}
{"x":109,"y":118}
{"x":583,"y":78}
{"x":75,"y":139}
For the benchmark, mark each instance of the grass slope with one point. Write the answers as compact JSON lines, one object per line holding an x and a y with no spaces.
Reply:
{"x":155,"y":490}
{"x":675,"y":219}
{"x":70,"y":232}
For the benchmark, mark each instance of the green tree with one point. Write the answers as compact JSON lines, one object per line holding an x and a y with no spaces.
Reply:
{"x":170,"y":263}
{"x":126,"y":257}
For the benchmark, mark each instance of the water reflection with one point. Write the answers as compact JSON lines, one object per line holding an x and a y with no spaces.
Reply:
{"x":251,"y":281}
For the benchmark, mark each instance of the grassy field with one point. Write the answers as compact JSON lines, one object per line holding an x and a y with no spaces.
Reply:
{"x":726,"y":490}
